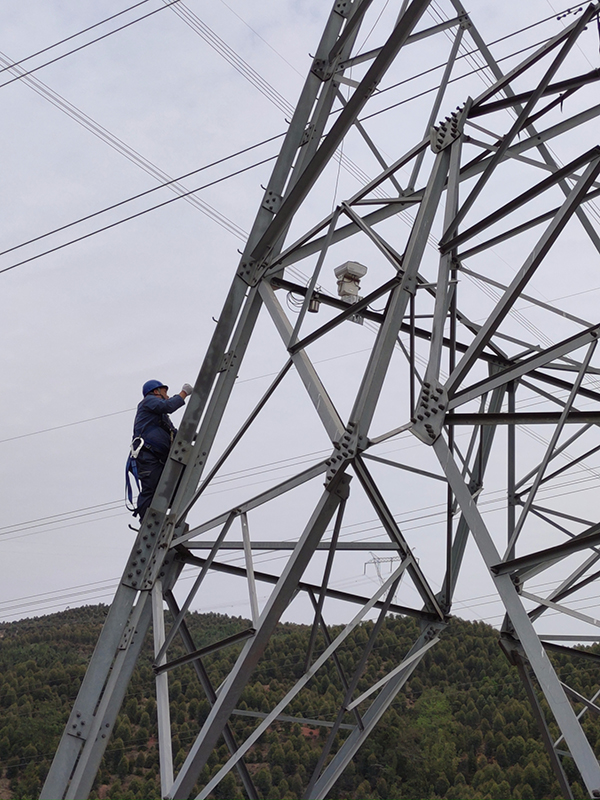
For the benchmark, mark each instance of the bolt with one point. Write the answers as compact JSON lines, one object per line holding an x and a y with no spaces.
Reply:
{"x":420,"y":417}
{"x":442,"y":406}
{"x":426,"y":385}
{"x":413,"y":419}
{"x":427,"y":414}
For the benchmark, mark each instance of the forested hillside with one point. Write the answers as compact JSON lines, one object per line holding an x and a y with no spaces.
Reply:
{"x":461,"y":729}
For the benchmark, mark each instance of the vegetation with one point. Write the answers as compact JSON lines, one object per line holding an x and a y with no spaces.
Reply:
{"x":461,"y":729}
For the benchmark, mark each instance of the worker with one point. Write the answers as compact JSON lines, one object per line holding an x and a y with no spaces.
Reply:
{"x":153,"y":434}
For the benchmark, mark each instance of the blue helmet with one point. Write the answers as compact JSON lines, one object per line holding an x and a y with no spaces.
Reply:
{"x":150,"y":386}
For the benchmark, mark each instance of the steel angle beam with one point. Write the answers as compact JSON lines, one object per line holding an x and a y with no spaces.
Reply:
{"x":521,"y":200}
{"x":524,"y":669}
{"x":380,"y":705}
{"x":289,"y":545}
{"x":583,"y":541}
{"x":326,"y":150}
{"x":523,"y":418}
{"x":252,"y":651}
{"x":578,"y":744}
{"x":553,"y":88}
{"x":305,"y":586}
{"x":523,"y":276}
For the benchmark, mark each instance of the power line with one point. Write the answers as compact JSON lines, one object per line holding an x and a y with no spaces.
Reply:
{"x":74,"y":35}
{"x":435,"y":88}
{"x":256,"y":33}
{"x":234,"y":59}
{"x":66,"y":425}
{"x":473,"y":52}
{"x":191,"y":19}
{"x":135,"y":216}
{"x":99,"y":212}
{"x":358,"y":528}
{"x":142,"y":194}
{"x":129,"y":410}
{"x":122,"y":148}
{"x":82,"y":46}
{"x":252,"y":76}
{"x":65,"y":516}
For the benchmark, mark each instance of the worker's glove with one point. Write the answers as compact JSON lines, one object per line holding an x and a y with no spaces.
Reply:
{"x":187,"y":388}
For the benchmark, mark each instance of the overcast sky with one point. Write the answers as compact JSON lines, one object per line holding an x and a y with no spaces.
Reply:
{"x":83,"y":327}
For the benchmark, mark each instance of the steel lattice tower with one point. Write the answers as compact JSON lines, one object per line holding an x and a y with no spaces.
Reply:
{"x":461,"y":225}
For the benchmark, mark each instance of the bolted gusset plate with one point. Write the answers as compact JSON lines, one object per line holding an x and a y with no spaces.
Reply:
{"x":449,"y":129}
{"x":428,"y":419}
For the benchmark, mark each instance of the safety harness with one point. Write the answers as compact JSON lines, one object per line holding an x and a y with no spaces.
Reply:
{"x":131,"y":469}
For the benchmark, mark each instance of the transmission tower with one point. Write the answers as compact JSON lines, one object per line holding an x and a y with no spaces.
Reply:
{"x":465,"y":384}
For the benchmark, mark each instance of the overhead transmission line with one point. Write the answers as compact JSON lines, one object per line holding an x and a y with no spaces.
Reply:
{"x":107,"y":586}
{"x":354,"y":169}
{"x":256,"y":33}
{"x":228,"y":53}
{"x":143,"y":194}
{"x":66,"y":425}
{"x":248,"y":72}
{"x":74,"y":35}
{"x":82,"y":46}
{"x":181,"y":196}
{"x":129,"y":410}
{"x":124,"y":149}
{"x":414,"y":515}
{"x":252,"y":76}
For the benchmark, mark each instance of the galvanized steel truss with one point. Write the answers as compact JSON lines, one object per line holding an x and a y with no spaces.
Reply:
{"x":477,"y":376}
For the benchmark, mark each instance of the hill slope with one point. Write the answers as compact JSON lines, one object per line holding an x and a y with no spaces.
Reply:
{"x":462,"y":729}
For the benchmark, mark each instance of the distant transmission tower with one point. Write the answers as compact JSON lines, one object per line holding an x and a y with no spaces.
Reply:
{"x":469,"y":388}
{"x":379,"y":562}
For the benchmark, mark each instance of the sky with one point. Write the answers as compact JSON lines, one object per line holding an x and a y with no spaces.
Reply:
{"x":180,"y":91}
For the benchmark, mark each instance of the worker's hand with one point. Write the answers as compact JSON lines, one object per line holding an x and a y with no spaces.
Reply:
{"x":187,"y":388}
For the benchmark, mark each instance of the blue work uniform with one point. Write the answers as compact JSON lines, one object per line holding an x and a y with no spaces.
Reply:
{"x":152,"y":423}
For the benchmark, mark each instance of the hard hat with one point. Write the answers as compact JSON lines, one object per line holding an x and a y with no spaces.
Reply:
{"x":150,"y":386}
